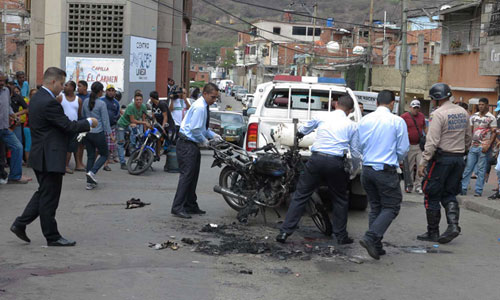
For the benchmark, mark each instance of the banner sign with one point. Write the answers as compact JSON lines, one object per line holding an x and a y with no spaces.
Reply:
{"x":105,"y":70}
{"x":142,"y":59}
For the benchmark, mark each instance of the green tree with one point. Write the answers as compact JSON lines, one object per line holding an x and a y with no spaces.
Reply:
{"x":229,"y":61}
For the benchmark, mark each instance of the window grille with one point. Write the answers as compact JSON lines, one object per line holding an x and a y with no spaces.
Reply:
{"x":95,"y":29}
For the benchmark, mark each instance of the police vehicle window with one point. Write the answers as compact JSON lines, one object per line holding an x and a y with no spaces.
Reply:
{"x":300,"y":99}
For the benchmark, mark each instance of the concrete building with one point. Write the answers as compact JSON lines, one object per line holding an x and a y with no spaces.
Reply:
{"x":467,"y":64}
{"x":14,"y":35}
{"x":424,"y":45}
{"x":133,"y":44}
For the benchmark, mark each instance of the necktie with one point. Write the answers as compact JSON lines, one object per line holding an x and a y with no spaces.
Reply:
{"x":208,"y":117}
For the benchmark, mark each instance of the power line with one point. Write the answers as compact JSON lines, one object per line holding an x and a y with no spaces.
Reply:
{"x":300,"y":14}
{"x":239,"y":31}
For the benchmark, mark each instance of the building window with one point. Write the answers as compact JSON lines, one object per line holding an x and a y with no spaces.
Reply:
{"x":277,"y":30}
{"x":95,"y":28}
{"x":200,"y":68}
{"x":425,"y":49}
{"x":432,"y":51}
{"x":252,"y":50}
{"x":317,"y":31}
{"x":299,"y":30}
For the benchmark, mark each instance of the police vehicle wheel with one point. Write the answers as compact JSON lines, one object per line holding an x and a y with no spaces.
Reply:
{"x":230,"y":179}
{"x":358,"y":202}
{"x":319,"y":215}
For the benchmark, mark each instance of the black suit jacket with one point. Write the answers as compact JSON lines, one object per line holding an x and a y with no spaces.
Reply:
{"x":50,"y":131}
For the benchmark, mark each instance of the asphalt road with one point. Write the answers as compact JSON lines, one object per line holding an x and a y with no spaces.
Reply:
{"x":112,"y":259}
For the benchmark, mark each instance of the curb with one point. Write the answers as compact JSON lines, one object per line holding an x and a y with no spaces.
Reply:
{"x":479,"y":208}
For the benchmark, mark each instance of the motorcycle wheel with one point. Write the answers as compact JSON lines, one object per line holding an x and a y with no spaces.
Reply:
{"x":319,"y":214}
{"x":227,"y":179}
{"x":139,"y":162}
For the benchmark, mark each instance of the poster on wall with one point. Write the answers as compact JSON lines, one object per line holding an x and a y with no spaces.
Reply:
{"x":91,"y":69}
{"x":142,"y":59}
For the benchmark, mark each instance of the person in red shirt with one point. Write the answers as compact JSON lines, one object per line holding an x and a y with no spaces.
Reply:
{"x":415,"y":121}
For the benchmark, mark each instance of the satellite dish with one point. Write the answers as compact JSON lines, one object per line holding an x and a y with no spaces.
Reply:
{"x":332,"y":47}
{"x":445,"y":7}
{"x":358,"y":50}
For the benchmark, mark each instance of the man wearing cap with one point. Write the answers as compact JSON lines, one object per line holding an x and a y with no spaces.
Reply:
{"x":447,"y":141}
{"x":113,"y":107}
{"x":415,"y":121}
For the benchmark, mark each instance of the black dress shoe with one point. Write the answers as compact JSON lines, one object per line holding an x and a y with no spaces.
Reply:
{"x":282,"y":236}
{"x":181,"y":215}
{"x":61,"y":242}
{"x":370,"y":247}
{"x":196,"y":211}
{"x":20,"y":233}
{"x":345,"y":241}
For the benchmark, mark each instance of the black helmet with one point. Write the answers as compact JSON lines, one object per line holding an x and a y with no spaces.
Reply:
{"x":440,"y":91}
{"x":118,"y":95}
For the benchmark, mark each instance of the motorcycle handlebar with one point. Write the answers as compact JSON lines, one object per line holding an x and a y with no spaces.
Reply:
{"x":264,"y":148}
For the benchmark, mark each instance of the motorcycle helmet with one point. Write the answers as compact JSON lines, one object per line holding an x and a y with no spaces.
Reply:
{"x":118,"y":96}
{"x":440,"y":91}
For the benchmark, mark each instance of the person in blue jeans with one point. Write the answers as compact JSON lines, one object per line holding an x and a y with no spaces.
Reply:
{"x":483,"y":125}
{"x":132,"y":120}
{"x":96,"y":138}
{"x":8,"y":137}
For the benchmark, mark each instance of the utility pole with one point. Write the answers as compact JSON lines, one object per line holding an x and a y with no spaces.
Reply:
{"x":309,"y":68}
{"x":403,"y":66}
{"x":369,"y":50}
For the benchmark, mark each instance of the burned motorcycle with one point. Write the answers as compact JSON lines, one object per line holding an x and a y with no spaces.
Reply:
{"x":264,"y":178}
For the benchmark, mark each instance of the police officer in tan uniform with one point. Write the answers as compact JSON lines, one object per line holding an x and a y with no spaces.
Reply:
{"x":442,"y":166}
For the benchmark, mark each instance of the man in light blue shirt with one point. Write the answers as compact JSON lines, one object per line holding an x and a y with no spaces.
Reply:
{"x":194,"y":132}
{"x":384,"y":143}
{"x":336,"y":135}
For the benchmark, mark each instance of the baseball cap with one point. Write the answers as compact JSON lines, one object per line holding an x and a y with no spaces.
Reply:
{"x":110,"y":86}
{"x":415,"y":103}
{"x":498,"y":106}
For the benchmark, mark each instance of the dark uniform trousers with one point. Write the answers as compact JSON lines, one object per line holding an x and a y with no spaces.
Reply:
{"x":384,"y":195}
{"x":321,"y":168}
{"x":43,"y":204}
{"x":189,"y":158}
{"x":443,"y":180}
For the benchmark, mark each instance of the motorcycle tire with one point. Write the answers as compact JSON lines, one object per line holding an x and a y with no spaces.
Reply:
{"x":141,"y":164}
{"x":224,"y":177}
{"x":319,"y":214}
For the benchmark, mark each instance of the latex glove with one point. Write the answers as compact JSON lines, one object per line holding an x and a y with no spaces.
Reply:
{"x":94,"y":122}
{"x":80,"y":137}
{"x":204,"y":144}
{"x":217,"y":138}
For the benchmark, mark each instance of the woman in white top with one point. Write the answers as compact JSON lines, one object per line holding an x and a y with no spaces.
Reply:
{"x":72,"y":106}
{"x":178,"y":106}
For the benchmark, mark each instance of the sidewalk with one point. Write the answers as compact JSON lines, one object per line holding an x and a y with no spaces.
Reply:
{"x":481,"y":204}
{"x":477,"y":204}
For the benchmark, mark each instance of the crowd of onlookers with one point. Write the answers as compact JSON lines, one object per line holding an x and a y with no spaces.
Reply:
{"x":107,"y":144}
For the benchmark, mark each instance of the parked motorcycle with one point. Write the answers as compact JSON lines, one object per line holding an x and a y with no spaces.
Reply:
{"x":252,"y":182}
{"x":143,"y":157}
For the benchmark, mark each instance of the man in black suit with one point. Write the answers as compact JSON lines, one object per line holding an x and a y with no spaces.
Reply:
{"x":50,"y":130}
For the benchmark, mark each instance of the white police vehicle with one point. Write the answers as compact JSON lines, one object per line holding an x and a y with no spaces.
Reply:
{"x":297,"y":97}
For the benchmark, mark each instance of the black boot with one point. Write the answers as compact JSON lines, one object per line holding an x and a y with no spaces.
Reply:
{"x":496,"y":195}
{"x":452,"y":216}
{"x":432,"y":234}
